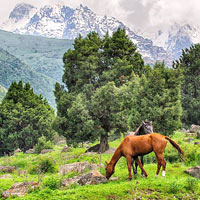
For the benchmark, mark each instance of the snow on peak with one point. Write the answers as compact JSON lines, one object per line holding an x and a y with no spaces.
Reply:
{"x":60,"y":21}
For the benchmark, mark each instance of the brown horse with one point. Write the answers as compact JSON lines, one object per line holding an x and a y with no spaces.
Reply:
{"x":132,"y":147}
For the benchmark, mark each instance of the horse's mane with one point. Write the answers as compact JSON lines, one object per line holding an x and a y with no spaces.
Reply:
{"x":139,"y":129}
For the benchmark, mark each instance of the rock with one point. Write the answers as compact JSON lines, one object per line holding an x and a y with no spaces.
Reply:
{"x":190,"y":139}
{"x":30,"y":151}
{"x":17,"y":150}
{"x":79,"y":167}
{"x":5,"y":176}
{"x":110,"y":151}
{"x":65,"y":149}
{"x":69,"y":181}
{"x":46,"y":151}
{"x":194,"y":171}
{"x":7,"y":169}
{"x":194,"y":128}
{"x":95,"y":148}
{"x":198,"y":134}
{"x":19,"y":189}
{"x":113,"y":178}
{"x":61,"y":142}
{"x":92,"y":178}
{"x":183,"y":130}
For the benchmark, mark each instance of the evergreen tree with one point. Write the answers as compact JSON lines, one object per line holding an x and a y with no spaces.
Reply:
{"x":24,"y":117}
{"x":92,"y":67}
{"x":189,"y":64}
{"x":157,"y":96}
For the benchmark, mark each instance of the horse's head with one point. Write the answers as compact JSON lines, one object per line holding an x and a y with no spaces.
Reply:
{"x":109,"y":170}
{"x":147,"y":127}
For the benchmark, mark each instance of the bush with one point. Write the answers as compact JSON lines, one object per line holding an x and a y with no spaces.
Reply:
{"x":52,"y":182}
{"x":44,"y":165}
{"x":174,"y":187}
{"x":191,"y":184}
{"x":43,"y":144}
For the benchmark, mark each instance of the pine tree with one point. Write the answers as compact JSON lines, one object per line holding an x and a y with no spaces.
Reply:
{"x":24,"y":117}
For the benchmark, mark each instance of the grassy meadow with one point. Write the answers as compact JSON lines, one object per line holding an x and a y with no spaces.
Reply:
{"x":176,"y":185}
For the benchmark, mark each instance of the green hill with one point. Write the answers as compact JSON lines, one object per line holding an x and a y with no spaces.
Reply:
{"x":13,"y":69}
{"x":41,"y":55}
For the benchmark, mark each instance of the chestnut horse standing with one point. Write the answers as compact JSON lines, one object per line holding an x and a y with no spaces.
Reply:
{"x":132,"y":147}
{"x":145,"y":127}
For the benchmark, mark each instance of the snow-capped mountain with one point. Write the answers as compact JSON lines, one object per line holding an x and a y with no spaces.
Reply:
{"x":176,"y":38}
{"x":66,"y":23}
{"x":19,"y":17}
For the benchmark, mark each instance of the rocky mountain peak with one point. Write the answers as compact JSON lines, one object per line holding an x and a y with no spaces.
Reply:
{"x":21,"y":11}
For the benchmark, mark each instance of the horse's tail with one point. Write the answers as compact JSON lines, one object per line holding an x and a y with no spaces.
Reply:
{"x":175,"y":145}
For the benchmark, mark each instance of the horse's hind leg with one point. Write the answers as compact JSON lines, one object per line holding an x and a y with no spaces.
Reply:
{"x":163,"y":163}
{"x":141,"y":166}
{"x":160,"y":162}
{"x":134,"y":168}
{"x":142,"y":161}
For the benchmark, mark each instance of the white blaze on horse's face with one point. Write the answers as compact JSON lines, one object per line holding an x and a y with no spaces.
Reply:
{"x":148,"y":127}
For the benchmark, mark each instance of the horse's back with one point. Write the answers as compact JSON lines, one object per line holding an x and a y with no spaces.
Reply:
{"x":137,"y":145}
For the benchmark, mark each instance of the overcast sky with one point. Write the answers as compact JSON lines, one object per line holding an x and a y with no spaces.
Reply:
{"x":140,"y":14}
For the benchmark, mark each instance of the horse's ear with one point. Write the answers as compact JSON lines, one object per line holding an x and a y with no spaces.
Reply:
{"x":106,"y":162}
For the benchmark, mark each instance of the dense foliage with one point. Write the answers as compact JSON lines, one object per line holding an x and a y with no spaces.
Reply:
{"x":156,"y":96}
{"x":110,"y":90}
{"x":189,"y":63}
{"x":24,"y":117}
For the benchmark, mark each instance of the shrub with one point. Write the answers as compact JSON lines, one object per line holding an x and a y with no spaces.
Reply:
{"x":44,"y":165}
{"x":191,"y":184}
{"x":43,"y":144}
{"x":52,"y":182}
{"x":174,"y":187}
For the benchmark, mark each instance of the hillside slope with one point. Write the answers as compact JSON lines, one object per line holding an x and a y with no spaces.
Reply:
{"x":42,"y":55}
{"x":13,"y":69}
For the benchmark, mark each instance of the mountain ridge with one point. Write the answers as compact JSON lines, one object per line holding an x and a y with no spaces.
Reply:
{"x":63,"y":22}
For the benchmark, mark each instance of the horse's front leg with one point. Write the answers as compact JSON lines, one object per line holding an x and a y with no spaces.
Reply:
{"x":129,"y":159}
{"x":141,"y":167}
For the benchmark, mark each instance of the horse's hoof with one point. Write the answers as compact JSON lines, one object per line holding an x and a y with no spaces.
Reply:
{"x":129,"y":179}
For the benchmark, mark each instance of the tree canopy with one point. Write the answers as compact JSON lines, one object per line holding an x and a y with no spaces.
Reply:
{"x":24,"y":117}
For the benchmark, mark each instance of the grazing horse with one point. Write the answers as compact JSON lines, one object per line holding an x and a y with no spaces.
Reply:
{"x":132,"y":147}
{"x":145,"y":127}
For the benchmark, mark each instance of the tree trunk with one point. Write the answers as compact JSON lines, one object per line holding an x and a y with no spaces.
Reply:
{"x":103,"y":144}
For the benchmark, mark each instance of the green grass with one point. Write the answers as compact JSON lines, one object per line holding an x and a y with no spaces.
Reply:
{"x":176,"y":185}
